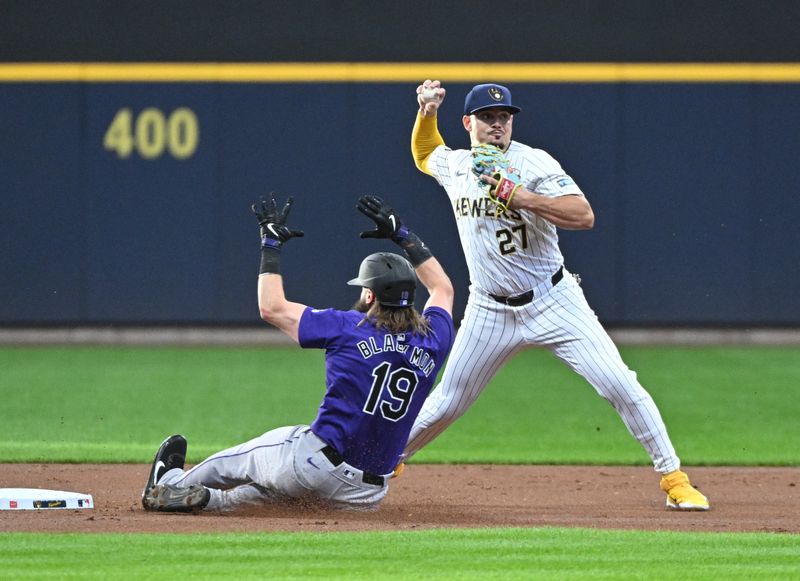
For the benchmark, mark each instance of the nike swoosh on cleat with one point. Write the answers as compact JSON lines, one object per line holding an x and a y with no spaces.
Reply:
{"x":394,"y":225}
{"x":310,"y":462}
{"x":159,"y":466}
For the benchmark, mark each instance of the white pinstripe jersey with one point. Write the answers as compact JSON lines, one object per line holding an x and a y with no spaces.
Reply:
{"x":507,"y":253}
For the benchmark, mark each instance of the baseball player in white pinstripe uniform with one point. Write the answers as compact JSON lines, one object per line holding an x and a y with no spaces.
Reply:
{"x":520,"y":293}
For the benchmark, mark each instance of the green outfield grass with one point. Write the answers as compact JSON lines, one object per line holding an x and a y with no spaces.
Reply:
{"x":721,"y":405}
{"x":431,"y":554}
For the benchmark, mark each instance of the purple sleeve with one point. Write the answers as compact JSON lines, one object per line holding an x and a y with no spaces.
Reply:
{"x":442,"y":324}
{"x":318,"y":327}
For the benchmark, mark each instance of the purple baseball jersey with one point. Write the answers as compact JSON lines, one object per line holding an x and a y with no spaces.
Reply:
{"x":376,"y":382}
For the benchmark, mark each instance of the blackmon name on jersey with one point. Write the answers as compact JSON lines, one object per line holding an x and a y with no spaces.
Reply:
{"x":418,"y":357}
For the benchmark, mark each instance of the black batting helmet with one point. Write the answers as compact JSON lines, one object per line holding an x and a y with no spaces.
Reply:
{"x":390,"y":276}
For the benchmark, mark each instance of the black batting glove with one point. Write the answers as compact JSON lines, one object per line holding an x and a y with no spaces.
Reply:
{"x":389,"y":225}
{"x":274,"y":232}
{"x":387,"y":222}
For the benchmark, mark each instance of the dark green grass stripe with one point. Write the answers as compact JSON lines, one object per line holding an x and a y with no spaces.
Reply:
{"x":430,"y":554}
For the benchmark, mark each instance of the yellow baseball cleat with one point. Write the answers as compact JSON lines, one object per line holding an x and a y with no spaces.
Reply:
{"x":681,"y":495}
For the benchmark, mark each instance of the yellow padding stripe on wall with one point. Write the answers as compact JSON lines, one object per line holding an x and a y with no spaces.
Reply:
{"x":401,"y":72}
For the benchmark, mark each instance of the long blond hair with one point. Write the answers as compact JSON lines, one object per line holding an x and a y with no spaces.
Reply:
{"x":397,"y":320}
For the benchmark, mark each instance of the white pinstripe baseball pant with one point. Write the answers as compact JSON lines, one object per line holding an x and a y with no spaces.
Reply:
{"x":561,"y":320}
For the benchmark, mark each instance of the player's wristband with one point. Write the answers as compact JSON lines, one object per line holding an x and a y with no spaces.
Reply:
{"x":415,"y":249}
{"x":270,"y":258}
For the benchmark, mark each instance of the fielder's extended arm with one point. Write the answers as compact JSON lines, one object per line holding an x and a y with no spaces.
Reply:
{"x":506,"y":189}
{"x":571,"y":212}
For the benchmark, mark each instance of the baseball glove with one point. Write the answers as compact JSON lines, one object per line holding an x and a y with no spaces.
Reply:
{"x":486,"y":158}
{"x":489,"y":160}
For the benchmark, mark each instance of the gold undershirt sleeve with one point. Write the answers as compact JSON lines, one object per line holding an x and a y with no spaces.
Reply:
{"x":425,"y":137}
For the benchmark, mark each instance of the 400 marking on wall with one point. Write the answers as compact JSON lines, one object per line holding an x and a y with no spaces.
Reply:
{"x":151,"y":133}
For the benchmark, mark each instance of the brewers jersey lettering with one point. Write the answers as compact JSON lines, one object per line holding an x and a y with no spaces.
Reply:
{"x":509,"y":252}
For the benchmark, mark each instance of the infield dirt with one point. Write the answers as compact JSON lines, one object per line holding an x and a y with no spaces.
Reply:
{"x":436,"y":496}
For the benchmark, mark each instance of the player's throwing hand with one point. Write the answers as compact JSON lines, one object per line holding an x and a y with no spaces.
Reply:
{"x":430,"y":95}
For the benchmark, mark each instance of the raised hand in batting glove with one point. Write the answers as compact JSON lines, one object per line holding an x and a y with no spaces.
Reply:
{"x":388,"y":225}
{"x":387,"y":222}
{"x":274,"y":231}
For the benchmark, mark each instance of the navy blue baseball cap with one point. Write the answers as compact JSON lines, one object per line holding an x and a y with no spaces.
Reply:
{"x":488,"y":96}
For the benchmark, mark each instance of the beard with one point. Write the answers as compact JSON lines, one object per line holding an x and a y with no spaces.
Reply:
{"x":361,"y":306}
